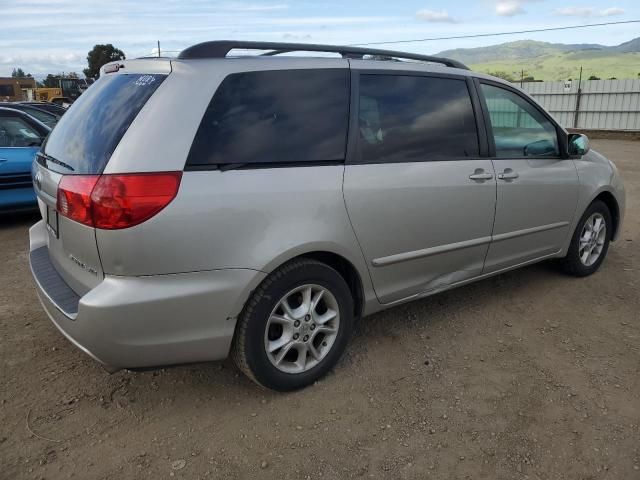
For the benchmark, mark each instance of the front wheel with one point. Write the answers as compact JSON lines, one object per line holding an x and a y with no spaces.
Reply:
{"x":295,"y":326}
{"x":590,"y":241}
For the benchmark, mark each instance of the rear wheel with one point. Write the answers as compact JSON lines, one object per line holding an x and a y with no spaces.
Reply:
{"x":590,"y":241}
{"x":295,"y":326}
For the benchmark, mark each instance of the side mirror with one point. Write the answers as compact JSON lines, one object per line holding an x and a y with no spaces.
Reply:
{"x":578,"y":144}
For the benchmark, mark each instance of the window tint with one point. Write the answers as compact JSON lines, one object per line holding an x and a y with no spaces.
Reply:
{"x":88,"y":133}
{"x":275,"y":117}
{"x":15,"y":132}
{"x":411,"y":118}
{"x":519,"y":129}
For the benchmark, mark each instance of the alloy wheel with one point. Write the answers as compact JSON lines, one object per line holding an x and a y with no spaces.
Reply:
{"x":302,"y":328}
{"x":592,"y":239}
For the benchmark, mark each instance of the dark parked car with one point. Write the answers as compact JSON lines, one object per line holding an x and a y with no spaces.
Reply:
{"x":48,"y":118}
{"x":48,"y":106}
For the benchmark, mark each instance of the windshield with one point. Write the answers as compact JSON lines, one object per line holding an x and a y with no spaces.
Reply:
{"x":86,"y":136}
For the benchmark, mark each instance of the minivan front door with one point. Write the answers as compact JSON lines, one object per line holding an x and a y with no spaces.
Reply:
{"x":420,"y":198}
{"x":537,"y":189}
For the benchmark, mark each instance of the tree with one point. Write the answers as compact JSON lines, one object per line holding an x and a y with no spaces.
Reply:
{"x":19,"y":73}
{"x":593,"y":77}
{"x":502,"y":75}
{"x":51,"y":81}
{"x":99,"y":56}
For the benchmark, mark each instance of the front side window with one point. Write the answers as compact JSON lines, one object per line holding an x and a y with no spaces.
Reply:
{"x":519,"y":128}
{"x":406,"y":118}
{"x":15,"y":132}
{"x":275,"y":117}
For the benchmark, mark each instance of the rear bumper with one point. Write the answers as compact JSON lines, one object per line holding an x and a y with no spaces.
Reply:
{"x":130,"y":322}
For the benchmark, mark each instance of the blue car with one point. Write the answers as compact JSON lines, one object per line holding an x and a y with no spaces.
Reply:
{"x":20,"y":138}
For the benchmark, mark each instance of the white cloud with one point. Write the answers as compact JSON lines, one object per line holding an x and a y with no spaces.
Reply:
{"x":588,"y":12}
{"x":509,"y":8}
{"x":436,"y":16}
{"x":608,"y":12}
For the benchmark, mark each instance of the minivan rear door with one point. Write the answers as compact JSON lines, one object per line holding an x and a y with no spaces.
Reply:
{"x":82,"y":144}
{"x":419,"y":194}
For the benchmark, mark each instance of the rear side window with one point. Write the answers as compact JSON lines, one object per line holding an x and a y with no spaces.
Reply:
{"x":412,"y":119}
{"x":88,"y":133}
{"x":275,"y":117}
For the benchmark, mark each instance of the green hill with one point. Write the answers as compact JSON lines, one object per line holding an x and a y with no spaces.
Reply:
{"x":553,"y":61}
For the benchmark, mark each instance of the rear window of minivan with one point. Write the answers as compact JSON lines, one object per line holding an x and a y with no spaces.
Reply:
{"x":275,"y":117}
{"x":85,"y":137}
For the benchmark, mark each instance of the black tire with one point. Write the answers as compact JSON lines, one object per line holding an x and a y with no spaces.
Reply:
{"x":572,"y":264}
{"x":249,"y":352}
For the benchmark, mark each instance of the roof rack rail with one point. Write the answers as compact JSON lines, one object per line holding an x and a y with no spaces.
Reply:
{"x":221,"y":48}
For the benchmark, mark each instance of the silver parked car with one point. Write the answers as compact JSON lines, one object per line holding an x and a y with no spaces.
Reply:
{"x":256,"y":205}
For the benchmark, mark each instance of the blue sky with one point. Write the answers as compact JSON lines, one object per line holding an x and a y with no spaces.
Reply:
{"x":49,"y":36}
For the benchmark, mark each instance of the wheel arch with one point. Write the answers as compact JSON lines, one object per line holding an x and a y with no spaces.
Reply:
{"x":339,"y":262}
{"x":610,"y":201}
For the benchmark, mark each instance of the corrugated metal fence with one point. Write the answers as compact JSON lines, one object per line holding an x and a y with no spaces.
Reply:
{"x":594,"y":104}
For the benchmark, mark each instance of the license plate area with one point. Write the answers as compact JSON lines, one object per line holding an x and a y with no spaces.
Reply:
{"x":52,"y":221}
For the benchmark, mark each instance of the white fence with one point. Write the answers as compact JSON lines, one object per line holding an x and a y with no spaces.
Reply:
{"x":590,"y":104}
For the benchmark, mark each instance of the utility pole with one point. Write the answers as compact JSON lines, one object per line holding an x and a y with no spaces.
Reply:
{"x":578,"y":95}
{"x":158,"y":48}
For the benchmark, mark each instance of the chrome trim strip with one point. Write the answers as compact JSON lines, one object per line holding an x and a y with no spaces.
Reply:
{"x":427,"y":252}
{"x":528,"y":231}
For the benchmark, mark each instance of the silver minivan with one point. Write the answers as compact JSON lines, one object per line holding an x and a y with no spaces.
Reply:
{"x":213,"y":204}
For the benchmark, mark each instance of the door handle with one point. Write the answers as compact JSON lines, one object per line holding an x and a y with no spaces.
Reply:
{"x":508,"y":174}
{"x":481,"y":176}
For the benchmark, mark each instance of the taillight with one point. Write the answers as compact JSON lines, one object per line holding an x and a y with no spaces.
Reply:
{"x":74,"y":197}
{"x":113,"y":202}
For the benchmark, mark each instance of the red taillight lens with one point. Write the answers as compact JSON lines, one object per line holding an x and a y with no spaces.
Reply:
{"x":74,"y":197}
{"x":120,"y":201}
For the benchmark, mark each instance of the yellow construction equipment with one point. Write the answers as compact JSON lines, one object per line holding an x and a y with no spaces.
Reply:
{"x":67,"y":91}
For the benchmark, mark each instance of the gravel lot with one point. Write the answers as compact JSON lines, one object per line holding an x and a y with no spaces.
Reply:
{"x":531,"y":374}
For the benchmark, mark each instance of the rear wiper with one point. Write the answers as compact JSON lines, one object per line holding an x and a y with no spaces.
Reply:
{"x":49,"y":158}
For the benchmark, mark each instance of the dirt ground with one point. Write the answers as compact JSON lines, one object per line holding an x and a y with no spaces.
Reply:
{"x":531,"y":374}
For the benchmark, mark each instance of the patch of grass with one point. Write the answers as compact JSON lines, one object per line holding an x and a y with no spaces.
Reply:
{"x":562,"y":66}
